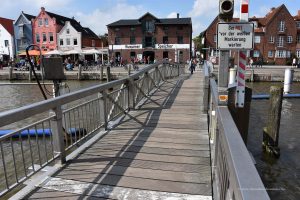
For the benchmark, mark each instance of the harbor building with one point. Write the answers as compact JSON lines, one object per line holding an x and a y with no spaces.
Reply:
{"x":150,"y":38}
{"x":7,"y":50}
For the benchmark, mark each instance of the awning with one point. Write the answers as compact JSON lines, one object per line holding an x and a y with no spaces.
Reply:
{"x":55,"y":52}
{"x":33,"y":53}
{"x":72,"y":52}
{"x":90,"y":51}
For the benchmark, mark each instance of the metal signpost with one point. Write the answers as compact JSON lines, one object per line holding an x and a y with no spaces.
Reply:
{"x":236,"y":36}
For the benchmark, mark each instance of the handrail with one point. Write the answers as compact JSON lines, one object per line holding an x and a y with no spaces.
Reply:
{"x":66,"y":128}
{"x":234,"y":173}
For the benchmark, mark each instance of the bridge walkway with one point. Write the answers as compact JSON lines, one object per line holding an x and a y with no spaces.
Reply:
{"x":159,"y":151}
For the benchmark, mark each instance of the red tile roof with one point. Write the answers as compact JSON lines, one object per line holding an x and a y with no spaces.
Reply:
{"x":8,"y":24}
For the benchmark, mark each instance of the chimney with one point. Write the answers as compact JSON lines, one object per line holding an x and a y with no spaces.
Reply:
{"x":299,"y":13}
{"x":42,"y":9}
{"x":177,"y":15}
{"x":273,"y":8}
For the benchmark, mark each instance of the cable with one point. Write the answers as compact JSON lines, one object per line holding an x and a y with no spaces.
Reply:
{"x":32,"y":67}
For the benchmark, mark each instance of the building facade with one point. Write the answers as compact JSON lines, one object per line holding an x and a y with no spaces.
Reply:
{"x":151,"y":38}
{"x":23,"y":32}
{"x":276,"y":37}
{"x":69,"y":38}
{"x":6,"y":39}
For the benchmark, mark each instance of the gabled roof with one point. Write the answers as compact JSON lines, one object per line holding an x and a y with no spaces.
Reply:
{"x":148,"y":14}
{"x":7,"y":24}
{"x":166,"y":21}
{"x":88,"y":32}
{"x":269,"y":17}
{"x":29,"y":17}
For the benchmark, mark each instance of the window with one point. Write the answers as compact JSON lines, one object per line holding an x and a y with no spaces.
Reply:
{"x":75,"y":42}
{"x":68,"y":31}
{"x":117,"y":40}
{"x":6,"y":43}
{"x":280,"y":41}
{"x":165,"y":40}
{"x":298,"y":24}
{"x":44,"y":37}
{"x":68,"y":41}
{"x":298,"y":53}
{"x":165,"y":28}
{"x":117,"y":29}
{"x":51,"y":39}
{"x":215,"y":38}
{"x":21,"y":31}
{"x":46,"y":22}
{"x":289,"y":39}
{"x":165,"y":54}
{"x":61,"y":42}
{"x":270,"y":54}
{"x":132,"y":29}
{"x":37,"y":37}
{"x":93,"y":43}
{"x":256,"y":54}
{"x":150,"y":26}
{"x":280,"y":54}
{"x":40,"y":22}
{"x":132,"y":40}
{"x":281,"y":26}
{"x":271,"y":39}
{"x":257,"y":39}
{"x":179,"y":39}
{"x":298,"y":38}
{"x":288,"y":54}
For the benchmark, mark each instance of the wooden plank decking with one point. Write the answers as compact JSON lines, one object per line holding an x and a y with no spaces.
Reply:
{"x":160,"y":151}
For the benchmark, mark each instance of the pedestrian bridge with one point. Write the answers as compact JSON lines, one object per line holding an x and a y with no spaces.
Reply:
{"x":157,"y":134}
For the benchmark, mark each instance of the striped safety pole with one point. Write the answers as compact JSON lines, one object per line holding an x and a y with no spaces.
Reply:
{"x":240,"y":90}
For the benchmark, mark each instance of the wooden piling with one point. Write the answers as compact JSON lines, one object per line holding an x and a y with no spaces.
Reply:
{"x":108,"y":75}
{"x":10,"y":75}
{"x":271,"y":131}
{"x":101,"y":73}
{"x":79,"y":71}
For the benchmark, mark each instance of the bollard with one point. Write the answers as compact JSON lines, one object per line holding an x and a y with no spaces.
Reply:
{"x":252,"y":75}
{"x":288,"y":74}
{"x":10,"y":75}
{"x":129,"y":69}
{"x":30,"y":74}
{"x":232,"y":75}
{"x":271,"y":132}
{"x":79,"y":71}
{"x":101,"y":73}
{"x":108,"y":75}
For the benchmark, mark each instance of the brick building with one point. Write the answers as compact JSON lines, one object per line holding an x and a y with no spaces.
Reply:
{"x":151,"y":37}
{"x":276,"y":37}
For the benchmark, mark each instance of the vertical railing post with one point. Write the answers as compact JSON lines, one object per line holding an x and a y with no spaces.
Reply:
{"x":58,"y":135}
{"x":104,"y":96}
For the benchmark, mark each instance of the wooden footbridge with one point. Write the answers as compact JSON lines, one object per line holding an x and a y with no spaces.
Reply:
{"x":151,"y":139}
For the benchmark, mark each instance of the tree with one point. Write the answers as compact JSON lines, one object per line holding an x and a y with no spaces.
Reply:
{"x":104,"y":39}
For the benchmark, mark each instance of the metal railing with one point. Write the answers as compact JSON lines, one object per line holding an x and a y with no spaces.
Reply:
{"x":39,"y":133}
{"x":234,"y":175}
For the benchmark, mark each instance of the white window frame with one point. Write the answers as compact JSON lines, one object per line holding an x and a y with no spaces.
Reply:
{"x":68,"y":41}
{"x":271,"y":39}
{"x":37,"y":38}
{"x":40,"y":22}
{"x":270,"y":54}
{"x":280,"y":54}
{"x":46,"y":21}
{"x":298,"y":38}
{"x":288,"y":54}
{"x":280,"y":42}
{"x":298,"y":53}
{"x":257,"y":39}
{"x":256,"y":54}
{"x":44,"y":36}
{"x":75,"y":39}
{"x":61,"y":42}
{"x":281,"y":26}
{"x":215,"y":38}
{"x":289,"y":39}
{"x":51,"y":34}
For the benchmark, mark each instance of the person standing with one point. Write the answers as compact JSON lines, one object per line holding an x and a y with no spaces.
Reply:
{"x":294,"y":63}
{"x":250,"y":62}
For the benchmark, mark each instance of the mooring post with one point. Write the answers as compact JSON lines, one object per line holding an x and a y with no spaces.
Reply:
{"x":30,"y":74}
{"x":79,"y":71}
{"x":101,"y":73}
{"x":10,"y":75}
{"x":271,"y":132}
{"x":108,"y":75}
{"x":288,"y":77}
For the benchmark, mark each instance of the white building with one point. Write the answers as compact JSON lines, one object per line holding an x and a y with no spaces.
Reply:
{"x":6,"y":39}
{"x":69,"y":38}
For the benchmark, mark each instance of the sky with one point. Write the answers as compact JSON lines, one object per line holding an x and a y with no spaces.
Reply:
{"x":96,"y":14}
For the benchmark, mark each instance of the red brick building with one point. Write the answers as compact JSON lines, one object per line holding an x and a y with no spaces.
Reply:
{"x":276,"y":37}
{"x":151,"y":38}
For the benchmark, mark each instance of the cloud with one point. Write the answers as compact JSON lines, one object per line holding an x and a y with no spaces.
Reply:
{"x":172,"y":15}
{"x":98,"y":19}
{"x":48,"y":4}
{"x":207,"y":8}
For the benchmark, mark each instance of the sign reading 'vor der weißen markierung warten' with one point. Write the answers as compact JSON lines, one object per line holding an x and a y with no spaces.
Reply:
{"x":235,"y":36}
